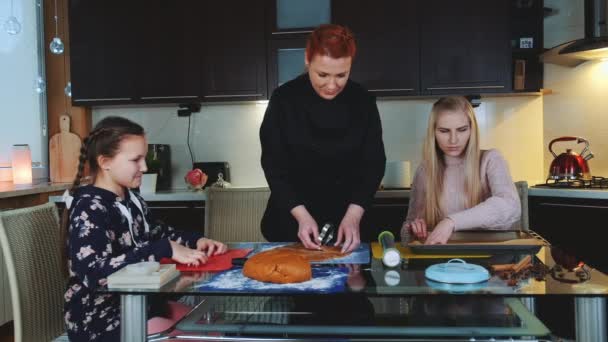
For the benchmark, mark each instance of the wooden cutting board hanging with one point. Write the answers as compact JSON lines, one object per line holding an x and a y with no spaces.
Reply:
{"x":64,"y":151}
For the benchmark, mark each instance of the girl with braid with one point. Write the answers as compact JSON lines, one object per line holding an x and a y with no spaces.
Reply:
{"x":109,"y":227}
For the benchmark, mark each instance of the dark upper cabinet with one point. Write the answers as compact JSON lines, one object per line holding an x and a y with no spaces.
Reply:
{"x":102,"y":51}
{"x":287,"y":18}
{"x":169,"y":45}
{"x":234,"y":62}
{"x":465,"y":46}
{"x":387,"y":36}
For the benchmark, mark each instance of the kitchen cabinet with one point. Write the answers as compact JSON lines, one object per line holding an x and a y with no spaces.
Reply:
{"x":234,"y":62}
{"x":168,"y":63}
{"x":465,"y":46}
{"x":388,"y":44}
{"x":102,"y":51}
{"x":384,"y":214}
{"x":527,"y":43}
{"x":573,"y":224}
{"x":181,"y":215}
{"x":287,"y":17}
{"x":285,"y":61}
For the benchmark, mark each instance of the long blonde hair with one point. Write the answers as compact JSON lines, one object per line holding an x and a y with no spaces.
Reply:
{"x":434,"y":163}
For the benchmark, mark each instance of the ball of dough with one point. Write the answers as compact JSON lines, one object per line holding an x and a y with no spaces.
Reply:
{"x":278,"y":266}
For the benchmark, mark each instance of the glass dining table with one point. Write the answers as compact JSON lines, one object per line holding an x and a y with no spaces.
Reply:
{"x":377,"y":303}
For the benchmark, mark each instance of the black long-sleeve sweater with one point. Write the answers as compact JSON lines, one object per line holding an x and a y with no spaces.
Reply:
{"x":323,"y":154}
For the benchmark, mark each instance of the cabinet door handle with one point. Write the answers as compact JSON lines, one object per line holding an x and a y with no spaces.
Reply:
{"x":234,"y":95}
{"x":392,"y":89}
{"x":465,"y":87}
{"x":106,"y":99}
{"x":168,"y":97}
{"x":291,"y":32}
{"x":574,"y":205}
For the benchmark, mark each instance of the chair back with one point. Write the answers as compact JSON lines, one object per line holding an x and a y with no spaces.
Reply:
{"x":30,"y":239}
{"x":522,"y":191}
{"x":234,"y":214}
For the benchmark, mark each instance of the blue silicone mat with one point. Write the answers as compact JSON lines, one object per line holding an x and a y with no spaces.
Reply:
{"x":324,"y":280}
{"x":361,"y":255}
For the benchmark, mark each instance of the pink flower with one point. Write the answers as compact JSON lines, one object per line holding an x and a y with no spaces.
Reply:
{"x":196,"y":179}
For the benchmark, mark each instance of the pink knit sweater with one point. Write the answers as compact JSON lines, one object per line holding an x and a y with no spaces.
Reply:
{"x":500,"y":207}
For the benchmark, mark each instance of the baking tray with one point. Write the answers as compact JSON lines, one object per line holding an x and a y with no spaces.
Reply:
{"x":483,"y":242}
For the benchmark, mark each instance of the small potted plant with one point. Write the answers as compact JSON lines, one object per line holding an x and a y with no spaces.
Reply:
{"x":149,"y":178}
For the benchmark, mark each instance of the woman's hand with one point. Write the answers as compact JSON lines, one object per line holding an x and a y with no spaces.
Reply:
{"x":306,"y":227}
{"x":349,"y":229}
{"x":442,"y":232}
{"x":188,"y":256}
{"x":211,"y":246}
{"x":418,"y":228}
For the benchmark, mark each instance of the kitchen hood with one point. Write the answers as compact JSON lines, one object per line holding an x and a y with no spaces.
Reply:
{"x":593,"y":46}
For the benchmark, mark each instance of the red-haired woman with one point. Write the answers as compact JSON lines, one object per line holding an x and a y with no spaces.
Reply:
{"x":322,"y":149}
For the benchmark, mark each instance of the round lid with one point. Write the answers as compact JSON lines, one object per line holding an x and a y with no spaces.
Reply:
{"x":457,"y":271}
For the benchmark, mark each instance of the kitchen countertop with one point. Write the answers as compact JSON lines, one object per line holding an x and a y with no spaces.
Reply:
{"x":188,"y":195}
{"x":8,"y":189}
{"x":569,"y":193}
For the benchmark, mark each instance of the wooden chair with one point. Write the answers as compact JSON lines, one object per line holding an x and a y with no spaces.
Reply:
{"x":234,"y":214}
{"x":522,"y":190}
{"x":30,"y":243}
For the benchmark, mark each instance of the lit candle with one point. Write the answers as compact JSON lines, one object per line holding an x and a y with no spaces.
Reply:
{"x":22,"y":164}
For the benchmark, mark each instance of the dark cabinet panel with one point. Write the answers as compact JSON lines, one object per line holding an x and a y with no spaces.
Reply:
{"x":572,"y":224}
{"x":169,"y":48}
{"x":384,"y":214}
{"x":285,"y":61}
{"x":234,"y":63}
{"x":387,"y":35}
{"x":181,"y":215}
{"x":102,"y":51}
{"x":465,"y":46}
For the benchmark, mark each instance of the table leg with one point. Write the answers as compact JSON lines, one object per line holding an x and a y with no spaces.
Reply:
{"x":529,"y":303}
{"x":590,"y":319}
{"x":133,"y":320}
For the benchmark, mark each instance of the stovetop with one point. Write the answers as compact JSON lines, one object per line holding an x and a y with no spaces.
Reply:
{"x":595,"y":183}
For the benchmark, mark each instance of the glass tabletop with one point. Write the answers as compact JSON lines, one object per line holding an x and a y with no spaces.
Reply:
{"x":545,"y":277}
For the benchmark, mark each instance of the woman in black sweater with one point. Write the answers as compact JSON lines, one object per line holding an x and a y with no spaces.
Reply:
{"x":322,"y":149}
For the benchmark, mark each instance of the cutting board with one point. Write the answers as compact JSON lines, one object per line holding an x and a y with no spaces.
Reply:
{"x":64,"y":151}
{"x":324,"y":280}
{"x":407,"y":253}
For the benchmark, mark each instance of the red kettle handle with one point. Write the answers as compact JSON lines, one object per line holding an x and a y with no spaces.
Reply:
{"x":577,"y":139}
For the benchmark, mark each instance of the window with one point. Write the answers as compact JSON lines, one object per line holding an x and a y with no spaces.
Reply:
{"x":22,"y":100}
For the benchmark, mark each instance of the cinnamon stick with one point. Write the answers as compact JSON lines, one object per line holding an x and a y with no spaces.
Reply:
{"x":522,"y":263}
{"x":503,"y":267}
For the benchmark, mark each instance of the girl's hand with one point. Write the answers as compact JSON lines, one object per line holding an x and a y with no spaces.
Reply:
{"x":211,"y":246}
{"x":418,"y":228}
{"x":442,"y":232}
{"x":188,"y":256}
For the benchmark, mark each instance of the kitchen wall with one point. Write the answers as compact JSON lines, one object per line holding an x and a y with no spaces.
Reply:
{"x":229,"y":132}
{"x":577,"y":106}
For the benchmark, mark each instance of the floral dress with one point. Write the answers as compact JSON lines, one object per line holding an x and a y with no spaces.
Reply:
{"x":101,"y":241}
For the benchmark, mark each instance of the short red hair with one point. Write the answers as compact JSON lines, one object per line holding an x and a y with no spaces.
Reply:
{"x":331,"y":40}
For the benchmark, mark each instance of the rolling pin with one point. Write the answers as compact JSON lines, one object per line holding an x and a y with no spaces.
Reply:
{"x":390,"y":255}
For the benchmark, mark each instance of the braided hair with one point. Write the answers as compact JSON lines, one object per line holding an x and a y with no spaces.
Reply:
{"x":104,"y":140}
